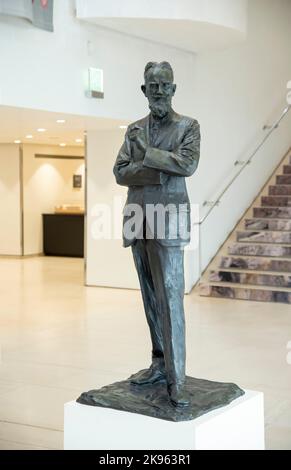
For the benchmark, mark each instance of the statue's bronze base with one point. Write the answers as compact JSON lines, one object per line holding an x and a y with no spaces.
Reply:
{"x":153,"y":400}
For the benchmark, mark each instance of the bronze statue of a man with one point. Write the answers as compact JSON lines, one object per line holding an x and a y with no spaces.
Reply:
{"x":159,"y":151}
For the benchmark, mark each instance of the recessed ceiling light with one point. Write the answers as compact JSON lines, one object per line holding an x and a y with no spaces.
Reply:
{"x":61,"y":121}
{"x":122,"y":127}
{"x":17,"y":141}
{"x":63,"y":144}
{"x":41,"y":129}
{"x":79,"y":141}
{"x":29,"y":136}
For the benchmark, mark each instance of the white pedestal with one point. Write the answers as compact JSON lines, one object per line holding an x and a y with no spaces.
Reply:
{"x":239,"y":425}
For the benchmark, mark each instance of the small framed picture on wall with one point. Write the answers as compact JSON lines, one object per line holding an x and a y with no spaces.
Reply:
{"x":77,"y":181}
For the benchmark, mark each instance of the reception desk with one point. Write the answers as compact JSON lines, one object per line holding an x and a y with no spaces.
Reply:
{"x":63,"y":235}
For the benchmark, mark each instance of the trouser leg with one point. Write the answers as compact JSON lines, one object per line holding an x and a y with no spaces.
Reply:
{"x":141,"y":261}
{"x":167,"y":269}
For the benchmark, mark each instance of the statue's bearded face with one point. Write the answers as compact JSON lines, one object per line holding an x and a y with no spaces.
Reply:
{"x":159,"y":90}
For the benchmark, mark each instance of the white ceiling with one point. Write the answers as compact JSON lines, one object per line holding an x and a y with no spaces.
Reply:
{"x":17,"y":123}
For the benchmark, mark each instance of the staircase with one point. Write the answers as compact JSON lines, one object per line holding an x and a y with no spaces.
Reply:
{"x":255,"y":261}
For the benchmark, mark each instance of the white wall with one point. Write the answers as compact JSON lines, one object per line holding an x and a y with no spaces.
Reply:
{"x":45,"y":70}
{"x":236,"y":92}
{"x":10,"y":232}
{"x":47,"y":183}
{"x":108,"y":263}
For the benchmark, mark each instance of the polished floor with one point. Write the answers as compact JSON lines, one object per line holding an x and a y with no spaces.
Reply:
{"x":59,"y":338}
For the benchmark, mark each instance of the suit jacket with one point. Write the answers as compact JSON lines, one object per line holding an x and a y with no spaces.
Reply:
{"x":158,"y":176}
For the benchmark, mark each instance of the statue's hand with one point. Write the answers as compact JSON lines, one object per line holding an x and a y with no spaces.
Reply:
{"x":137,"y":136}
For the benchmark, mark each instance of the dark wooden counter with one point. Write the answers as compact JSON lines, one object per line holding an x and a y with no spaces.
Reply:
{"x":63,"y":235}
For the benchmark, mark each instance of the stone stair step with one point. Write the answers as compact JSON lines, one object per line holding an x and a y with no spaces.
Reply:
{"x":272,"y":212}
{"x":260,"y":294}
{"x":256,"y":264}
{"x":276,"y":201}
{"x":251,"y":271}
{"x":283,"y":179}
{"x":235,"y":284}
{"x":263,"y":236}
{"x":274,"y":280}
{"x":267,"y":224}
{"x":251,"y":249}
{"x":280,"y":190}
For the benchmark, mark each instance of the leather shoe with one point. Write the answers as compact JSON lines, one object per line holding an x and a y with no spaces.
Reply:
{"x":148,"y":376}
{"x":178,"y":395}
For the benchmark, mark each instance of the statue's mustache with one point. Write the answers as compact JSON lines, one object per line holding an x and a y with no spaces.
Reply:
{"x":160,"y":102}
{"x":160,"y":99}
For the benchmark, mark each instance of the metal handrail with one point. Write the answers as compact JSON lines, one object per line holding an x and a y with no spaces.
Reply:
{"x":244,"y":164}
